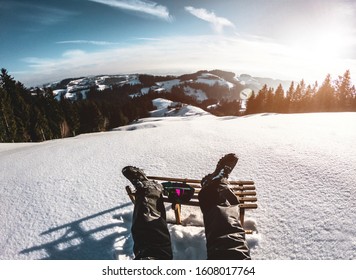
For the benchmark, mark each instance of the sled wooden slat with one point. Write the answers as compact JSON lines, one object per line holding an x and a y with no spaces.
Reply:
{"x":244,"y":190}
{"x":248,"y":205}
{"x":243,"y":193}
{"x":241,"y":198}
{"x":234,"y":188}
{"x":158,"y":178}
{"x":131,"y":194}
{"x":196,"y":203}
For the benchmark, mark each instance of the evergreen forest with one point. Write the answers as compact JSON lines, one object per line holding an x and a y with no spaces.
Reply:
{"x":331,"y":96}
{"x":28,"y":117}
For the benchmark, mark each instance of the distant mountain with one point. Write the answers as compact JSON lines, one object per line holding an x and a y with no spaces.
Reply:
{"x":215,"y":84}
{"x":256,"y":83}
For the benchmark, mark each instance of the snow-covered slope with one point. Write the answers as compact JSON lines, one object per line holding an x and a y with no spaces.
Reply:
{"x":65,"y":199}
{"x":211,"y":79}
{"x":167,"y":108}
{"x":78,"y":88}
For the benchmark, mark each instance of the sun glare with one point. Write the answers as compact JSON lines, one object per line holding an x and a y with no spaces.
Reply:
{"x":324,"y":44}
{"x":322,"y":48}
{"x":328,"y":45}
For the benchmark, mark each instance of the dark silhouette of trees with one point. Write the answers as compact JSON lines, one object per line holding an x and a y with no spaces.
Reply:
{"x":227,"y":108}
{"x":325,"y":100}
{"x":37,"y":116}
{"x":150,"y":80}
{"x":279,"y":103}
{"x":331,"y":96}
{"x":7,"y":118}
{"x":345,"y":92}
{"x":15,"y":96}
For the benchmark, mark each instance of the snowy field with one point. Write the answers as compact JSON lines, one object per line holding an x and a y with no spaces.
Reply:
{"x":65,"y":199}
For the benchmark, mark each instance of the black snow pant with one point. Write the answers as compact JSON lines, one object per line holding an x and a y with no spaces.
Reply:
{"x":149,"y":227}
{"x":225,"y":238}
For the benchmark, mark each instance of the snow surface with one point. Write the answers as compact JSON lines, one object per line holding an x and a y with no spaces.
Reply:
{"x":197,"y":93}
{"x":166,"y":108}
{"x":65,"y":199}
{"x":211,"y":79}
{"x":168,"y":85}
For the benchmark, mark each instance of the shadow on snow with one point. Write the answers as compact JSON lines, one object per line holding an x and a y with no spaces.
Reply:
{"x":78,"y":243}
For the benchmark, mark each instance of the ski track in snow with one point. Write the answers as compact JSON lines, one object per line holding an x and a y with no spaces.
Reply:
{"x":65,"y":199}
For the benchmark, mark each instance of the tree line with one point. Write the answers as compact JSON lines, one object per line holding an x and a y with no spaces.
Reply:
{"x":331,"y":96}
{"x":34,"y":117}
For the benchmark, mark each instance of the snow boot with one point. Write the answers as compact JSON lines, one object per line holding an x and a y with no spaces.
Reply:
{"x":223,"y":168}
{"x":135,"y":175}
{"x":215,"y":186}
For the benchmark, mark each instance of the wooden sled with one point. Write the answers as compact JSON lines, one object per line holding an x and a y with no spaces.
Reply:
{"x":244,"y":190}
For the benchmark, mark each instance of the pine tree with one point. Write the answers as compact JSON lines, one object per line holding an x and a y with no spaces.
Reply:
{"x":91,"y":119}
{"x":344,"y":92}
{"x":53,"y":113}
{"x":289,"y":94}
{"x":296,"y":98}
{"x":40,"y":130}
{"x":18,"y":95}
{"x":353,"y":102}
{"x":71,"y":116}
{"x":325,"y":96}
{"x":251,"y":105}
{"x":7,"y":119}
{"x":279,"y":100}
{"x":261,"y":99}
{"x":307,"y":101}
{"x":269,"y":102}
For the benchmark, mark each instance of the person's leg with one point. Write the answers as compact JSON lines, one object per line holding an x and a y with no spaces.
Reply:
{"x":224,"y":233}
{"x":149,"y":227}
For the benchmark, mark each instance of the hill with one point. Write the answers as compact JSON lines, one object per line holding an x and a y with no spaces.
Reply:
{"x":65,"y":199}
{"x":201,"y":85}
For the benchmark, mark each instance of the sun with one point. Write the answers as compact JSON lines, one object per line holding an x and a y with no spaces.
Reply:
{"x":322,"y":49}
{"x":328,"y":44}
{"x":325,"y":43}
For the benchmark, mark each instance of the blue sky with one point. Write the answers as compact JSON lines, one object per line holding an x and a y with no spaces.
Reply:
{"x":47,"y":40}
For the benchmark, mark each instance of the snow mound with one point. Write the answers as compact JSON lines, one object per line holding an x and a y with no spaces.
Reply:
{"x":167,"y":108}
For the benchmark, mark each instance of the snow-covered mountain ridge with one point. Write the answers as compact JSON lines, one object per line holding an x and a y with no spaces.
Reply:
{"x":78,"y":88}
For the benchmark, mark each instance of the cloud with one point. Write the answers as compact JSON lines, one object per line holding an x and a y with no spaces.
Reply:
{"x":146,"y":7}
{"x":97,"y":43}
{"x":146,"y":39}
{"x":177,"y":55}
{"x":218,"y":23}
{"x":74,"y":54}
{"x":50,"y":16}
{"x":35,"y":13}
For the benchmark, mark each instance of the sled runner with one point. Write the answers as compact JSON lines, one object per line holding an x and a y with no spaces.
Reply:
{"x":179,"y":191}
